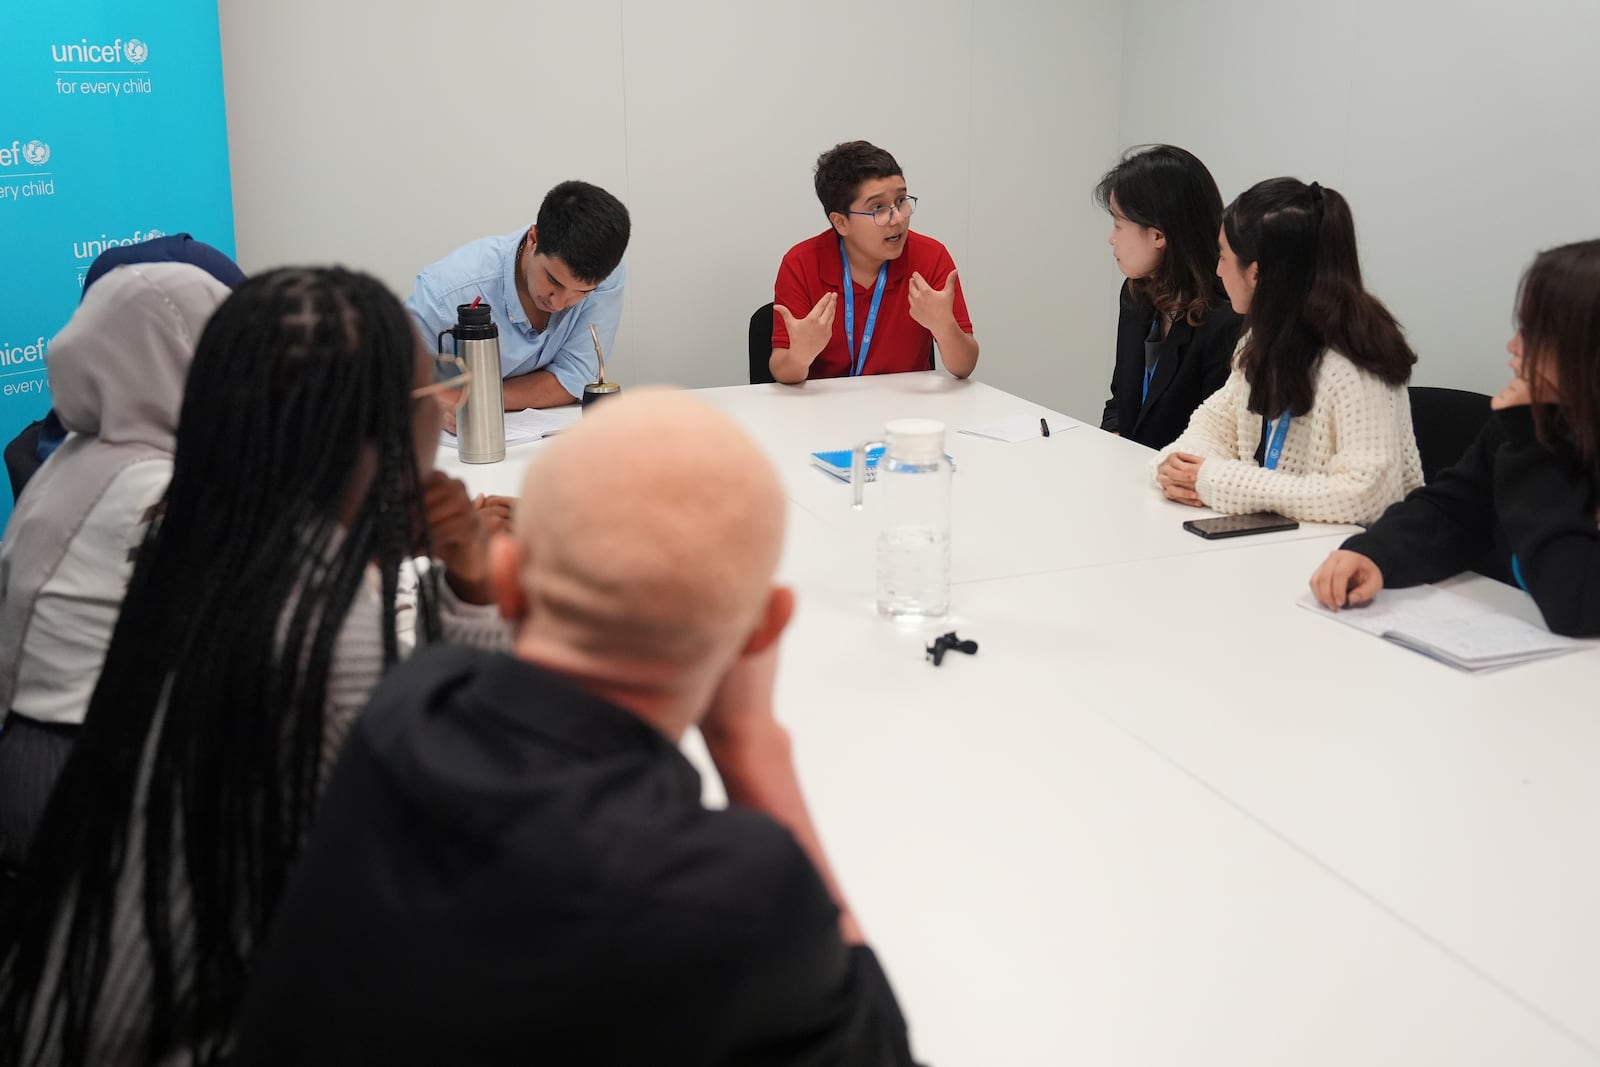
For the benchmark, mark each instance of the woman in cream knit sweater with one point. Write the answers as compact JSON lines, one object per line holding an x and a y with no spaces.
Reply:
{"x":1314,"y":422}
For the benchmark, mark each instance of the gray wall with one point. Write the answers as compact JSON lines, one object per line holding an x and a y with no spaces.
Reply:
{"x":383,"y":136}
{"x":1463,"y":135}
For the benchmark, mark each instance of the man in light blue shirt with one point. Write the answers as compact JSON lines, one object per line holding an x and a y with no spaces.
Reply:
{"x":547,"y":284}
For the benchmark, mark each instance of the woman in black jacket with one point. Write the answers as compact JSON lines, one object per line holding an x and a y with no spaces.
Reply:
{"x":1525,"y":494}
{"x":1176,"y":331}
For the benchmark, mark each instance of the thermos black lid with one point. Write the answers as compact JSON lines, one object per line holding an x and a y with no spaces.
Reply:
{"x":473,"y":314}
{"x":474,"y":322}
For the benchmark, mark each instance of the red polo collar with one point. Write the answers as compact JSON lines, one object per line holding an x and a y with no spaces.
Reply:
{"x":831,"y":270}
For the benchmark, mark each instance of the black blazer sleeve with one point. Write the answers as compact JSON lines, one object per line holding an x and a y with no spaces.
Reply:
{"x":1214,"y":342}
{"x":1530,"y":502}
{"x":1133,"y":323}
{"x":1442,"y":528}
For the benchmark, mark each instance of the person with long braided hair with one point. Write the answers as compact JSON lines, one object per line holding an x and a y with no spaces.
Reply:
{"x":260,"y":614}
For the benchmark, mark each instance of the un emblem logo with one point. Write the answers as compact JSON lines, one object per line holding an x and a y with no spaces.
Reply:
{"x":136,"y":50}
{"x":37,"y":153}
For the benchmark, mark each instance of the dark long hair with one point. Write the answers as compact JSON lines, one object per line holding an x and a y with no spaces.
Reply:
{"x":1166,"y":188}
{"x":209,"y":710}
{"x":1308,"y":296}
{"x":1558,"y":312}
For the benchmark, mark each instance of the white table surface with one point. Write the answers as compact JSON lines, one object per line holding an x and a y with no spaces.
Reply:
{"x":1165,"y":816}
{"x":1465,"y":805}
{"x":1078,"y":498}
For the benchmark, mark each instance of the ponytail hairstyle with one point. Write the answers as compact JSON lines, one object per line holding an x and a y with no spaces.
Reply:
{"x":294,"y":472}
{"x":1166,"y":188}
{"x":1558,"y":312}
{"x":1308,"y":295}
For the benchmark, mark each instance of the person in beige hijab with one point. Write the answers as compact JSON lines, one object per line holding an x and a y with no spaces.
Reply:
{"x":117,"y":372}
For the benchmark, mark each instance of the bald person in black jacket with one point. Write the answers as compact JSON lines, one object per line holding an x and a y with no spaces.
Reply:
{"x":512,"y":863}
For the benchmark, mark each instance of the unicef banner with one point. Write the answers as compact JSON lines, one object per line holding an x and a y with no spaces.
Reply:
{"x":112,"y":131}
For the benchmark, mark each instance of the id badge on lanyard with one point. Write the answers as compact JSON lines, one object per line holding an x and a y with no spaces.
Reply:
{"x":1278,"y":431}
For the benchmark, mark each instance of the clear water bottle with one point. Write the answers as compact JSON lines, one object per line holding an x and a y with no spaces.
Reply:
{"x":914,"y":544}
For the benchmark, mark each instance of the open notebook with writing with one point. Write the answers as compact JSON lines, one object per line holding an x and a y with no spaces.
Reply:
{"x":532,"y":424}
{"x":1450,"y":628}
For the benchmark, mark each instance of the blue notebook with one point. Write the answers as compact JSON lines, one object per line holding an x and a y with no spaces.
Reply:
{"x":837,"y":462}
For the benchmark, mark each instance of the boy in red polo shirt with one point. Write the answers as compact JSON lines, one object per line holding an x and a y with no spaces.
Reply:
{"x":901,"y":295}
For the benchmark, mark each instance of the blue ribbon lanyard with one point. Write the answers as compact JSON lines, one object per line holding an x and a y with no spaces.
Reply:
{"x":1150,"y":371}
{"x":1280,"y":430}
{"x":858,"y":363}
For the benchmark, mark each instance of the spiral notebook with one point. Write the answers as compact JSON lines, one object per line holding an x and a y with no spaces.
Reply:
{"x":837,"y":462}
{"x":1450,"y":628}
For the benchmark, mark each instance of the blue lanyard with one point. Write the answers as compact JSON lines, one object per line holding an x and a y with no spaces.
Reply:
{"x":858,"y":363}
{"x":1150,"y":371}
{"x":1280,"y":430}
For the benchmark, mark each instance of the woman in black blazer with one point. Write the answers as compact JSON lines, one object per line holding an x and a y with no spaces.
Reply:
{"x":1176,"y":331}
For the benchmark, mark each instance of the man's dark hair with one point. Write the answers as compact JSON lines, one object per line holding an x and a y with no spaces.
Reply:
{"x":842,"y":169}
{"x":584,"y":227}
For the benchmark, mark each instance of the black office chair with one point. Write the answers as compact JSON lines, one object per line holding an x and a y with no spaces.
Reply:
{"x":761,"y":346}
{"x":22,"y":457}
{"x":1446,"y":422}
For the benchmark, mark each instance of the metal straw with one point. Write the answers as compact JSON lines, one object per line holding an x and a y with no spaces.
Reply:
{"x":601,"y":356}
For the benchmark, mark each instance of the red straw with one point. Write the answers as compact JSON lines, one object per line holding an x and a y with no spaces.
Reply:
{"x":476,"y":301}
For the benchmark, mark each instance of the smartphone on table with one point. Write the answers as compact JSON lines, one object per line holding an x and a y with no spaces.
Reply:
{"x":1240,"y":525}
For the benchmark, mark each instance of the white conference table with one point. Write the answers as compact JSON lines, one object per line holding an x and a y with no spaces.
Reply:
{"x":1165,"y":815}
{"x":1070,"y":500}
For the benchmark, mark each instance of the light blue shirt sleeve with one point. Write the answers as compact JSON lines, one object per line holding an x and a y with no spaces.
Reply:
{"x":478,"y":269}
{"x":429,"y":312}
{"x":573,"y":363}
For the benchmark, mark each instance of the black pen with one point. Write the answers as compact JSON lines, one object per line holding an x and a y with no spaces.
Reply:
{"x":1044,"y":428}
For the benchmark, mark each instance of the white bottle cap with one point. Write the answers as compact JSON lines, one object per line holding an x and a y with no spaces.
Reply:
{"x":915,"y":440}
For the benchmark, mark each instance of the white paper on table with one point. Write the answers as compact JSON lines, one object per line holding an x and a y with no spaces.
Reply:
{"x":532,"y":424}
{"x":1450,"y":628}
{"x":1014,"y":428}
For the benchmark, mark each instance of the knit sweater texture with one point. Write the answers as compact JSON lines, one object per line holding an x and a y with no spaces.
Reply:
{"x":1346,"y":460}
